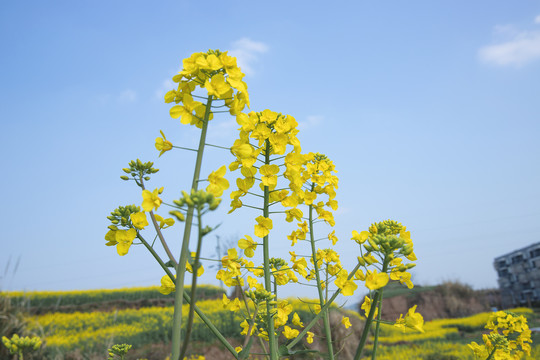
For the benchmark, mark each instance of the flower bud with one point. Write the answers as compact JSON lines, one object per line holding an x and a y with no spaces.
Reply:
{"x":215,"y":204}
{"x":178,"y":215}
{"x":206,"y":230}
{"x":373,"y":244}
{"x":179,"y":203}
{"x":123,"y":177}
{"x":406,"y":250}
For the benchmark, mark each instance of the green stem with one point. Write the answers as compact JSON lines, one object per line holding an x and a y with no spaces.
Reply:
{"x":195,"y":269}
{"x":492,"y":353}
{"x":369,"y":319}
{"x":181,"y":268}
{"x":377,"y":326}
{"x":266,"y":265}
{"x":326,"y":320}
{"x":162,"y":239}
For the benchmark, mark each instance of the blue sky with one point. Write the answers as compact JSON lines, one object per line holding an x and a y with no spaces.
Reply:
{"x":429,"y":111}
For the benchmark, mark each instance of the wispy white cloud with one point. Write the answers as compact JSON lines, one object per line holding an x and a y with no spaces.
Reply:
{"x":513,"y":47}
{"x":310,"y":121}
{"x":127,"y":96}
{"x":247,"y":52}
{"x":166,"y":85}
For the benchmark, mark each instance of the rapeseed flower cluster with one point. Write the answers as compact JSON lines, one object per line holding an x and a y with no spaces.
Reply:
{"x":509,"y":337}
{"x":118,"y":351}
{"x":219,"y":74}
{"x":387,"y":244}
{"x":21,"y":345}
{"x":271,"y":133}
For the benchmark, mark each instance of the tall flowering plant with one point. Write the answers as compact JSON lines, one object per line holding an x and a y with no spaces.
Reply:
{"x":277,"y":182}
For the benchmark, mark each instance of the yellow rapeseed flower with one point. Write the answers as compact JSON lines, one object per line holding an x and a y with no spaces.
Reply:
{"x":125,"y":239}
{"x":245,"y":327}
{"x":347,"y":286}
{"x":412,"y":320}
{"x":200,"y":269}
{"x":375,"y":280}
{"x":167,"y":285}
{"x":346,"y":322}
{"x":151,"y":200}
{"x":263,"y":227}
{"x":361,"y":237}
{"x":268,"y":175}
{"x":164,"y":223}
{"x":111,"y":238}
{"x":292,"y":214}
{"x":309,"y":337}
{"x":403,"y":277}
{"x":231,"y":305}
{"x":248,"y":245}
{"x":296,"y":320}
{"x":332,"y":237}
{"x":139,"y":220}
{"x":162,"y":144}
{"x":217,"y":86}
{"x":217,"y":182}
{"x":290,"y":333}
{"x":366,"y":306}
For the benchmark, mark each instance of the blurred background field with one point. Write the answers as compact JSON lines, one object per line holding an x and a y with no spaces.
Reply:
{"x":84,"y":324}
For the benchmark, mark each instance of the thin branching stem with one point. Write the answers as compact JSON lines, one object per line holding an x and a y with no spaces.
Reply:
{"x":326,"y":320}
{"x":184,"y":148}
{"x":218,"y":146}
{"x":273,"y":349}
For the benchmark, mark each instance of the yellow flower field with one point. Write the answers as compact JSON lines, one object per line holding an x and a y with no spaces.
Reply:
{"x":95,"y":331}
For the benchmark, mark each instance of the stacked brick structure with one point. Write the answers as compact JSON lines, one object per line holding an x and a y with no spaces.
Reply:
{"x":519,"y":276}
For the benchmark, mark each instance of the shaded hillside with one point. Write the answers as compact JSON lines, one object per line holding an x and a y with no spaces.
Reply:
{"x":448,"y":300}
